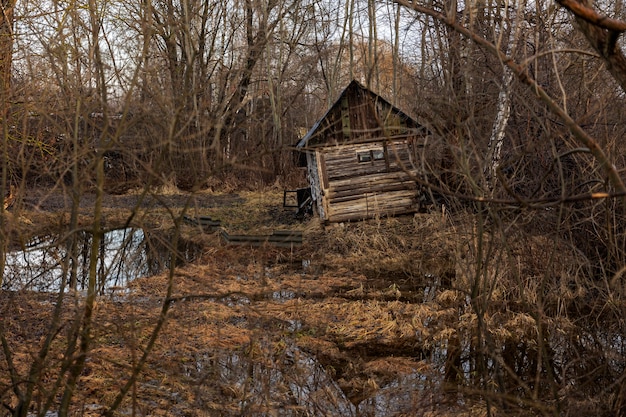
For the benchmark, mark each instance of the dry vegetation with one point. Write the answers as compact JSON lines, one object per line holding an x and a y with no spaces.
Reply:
{"x":512,"y":303}
{"x":384,"y":317}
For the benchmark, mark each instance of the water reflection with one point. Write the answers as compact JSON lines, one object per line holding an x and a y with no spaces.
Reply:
{"x":124,"y":254}
{"x":293,"y":383}
{"x":400,"y":397}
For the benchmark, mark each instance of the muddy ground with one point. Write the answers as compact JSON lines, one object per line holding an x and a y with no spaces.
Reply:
{"x":54,"y":201}
{"x":345,"y":324}
{"x":382,"y":317}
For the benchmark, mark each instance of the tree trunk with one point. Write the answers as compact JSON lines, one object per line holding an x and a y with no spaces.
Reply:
{"x":602,"y":34}
{"x":6,"y":58}
{"x":496,"y":140}
{"x":6,"y":53}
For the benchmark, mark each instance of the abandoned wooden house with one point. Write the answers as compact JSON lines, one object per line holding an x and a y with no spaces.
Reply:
{"x":362,"y":158}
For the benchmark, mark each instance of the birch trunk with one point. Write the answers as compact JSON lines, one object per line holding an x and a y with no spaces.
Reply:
{"x":494,"y":153}
{"x":510,"y":36}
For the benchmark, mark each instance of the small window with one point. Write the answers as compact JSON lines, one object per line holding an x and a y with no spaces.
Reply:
{"x":371,"y":155}
{"x":378,"y":154}
{"x":364,"y":156}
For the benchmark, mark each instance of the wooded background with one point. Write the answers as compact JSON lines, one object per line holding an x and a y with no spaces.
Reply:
{"x":189,"y":91}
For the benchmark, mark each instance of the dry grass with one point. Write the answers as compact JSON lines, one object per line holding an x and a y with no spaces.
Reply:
{"x":373,"y":302}
{"x":253,"y":213}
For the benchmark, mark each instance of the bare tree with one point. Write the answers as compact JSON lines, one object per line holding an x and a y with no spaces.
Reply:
{"x":6,"y":54}
{"x":6,"y":50}
{"x":579,"y":166}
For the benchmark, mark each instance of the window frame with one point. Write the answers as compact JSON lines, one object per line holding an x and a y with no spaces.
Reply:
{"x":371,"y":155}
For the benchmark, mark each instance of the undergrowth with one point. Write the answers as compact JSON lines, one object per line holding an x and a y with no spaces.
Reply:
{"x":416,"y":315}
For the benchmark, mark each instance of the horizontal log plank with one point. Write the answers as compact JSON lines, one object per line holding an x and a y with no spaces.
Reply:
{"x":361,"y":185}
{"x":351,"y":158}
{"x":355,"y":172}
{"x":385,"y":203}
{"x":373,"y":203}
{"x":361,"y":216}
{"x":374,"y":176}
{"x":355,"y":169}
{"x":364,"y":214}
{"x":373,"y":189}
{"x":377,"y":178}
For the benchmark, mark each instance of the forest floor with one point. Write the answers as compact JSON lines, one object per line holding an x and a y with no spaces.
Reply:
{"x":336,"y":326}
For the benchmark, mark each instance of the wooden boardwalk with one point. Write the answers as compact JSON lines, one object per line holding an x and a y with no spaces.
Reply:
{"x":205,"y":222}
{"x":278,"y":238}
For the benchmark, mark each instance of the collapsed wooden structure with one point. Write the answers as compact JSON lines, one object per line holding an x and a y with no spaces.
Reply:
{"x":363,"y":157}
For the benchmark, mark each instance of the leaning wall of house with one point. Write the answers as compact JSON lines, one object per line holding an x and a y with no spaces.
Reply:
{"x":314,"y":183}
{"x":369,"y":180}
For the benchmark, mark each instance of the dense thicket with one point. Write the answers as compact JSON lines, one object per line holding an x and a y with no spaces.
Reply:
{"x":525,"y":98}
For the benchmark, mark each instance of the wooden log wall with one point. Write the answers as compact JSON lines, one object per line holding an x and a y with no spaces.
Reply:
{"x":373,"y":205}
{"x":377,"y":187}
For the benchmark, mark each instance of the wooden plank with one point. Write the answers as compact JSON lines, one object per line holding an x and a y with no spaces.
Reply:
{"x":286,"y":238}
{"x":355,"y":173}
{"x":348,"y":166}
{"x":351,"y":161}
{"x":378,"y":135}
{"x":321,"y":160}
{"x":377,"y":201}
{"x":378,"y":178}
{"x":357,"y":216}
{"x":350,"y":155}
{"x":365,"y":144}
{"x":314,"y":182}
{"x":374,"y":205}
{"x":345,"y":155}
{"x":190,"y":220}
{"x":380,"y":190}
{"x":287,"y":233}
{"x":345,"y":152}
{"x":202,"y":221}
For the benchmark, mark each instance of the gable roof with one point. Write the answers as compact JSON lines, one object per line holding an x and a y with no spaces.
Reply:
{"x":354,"y":86}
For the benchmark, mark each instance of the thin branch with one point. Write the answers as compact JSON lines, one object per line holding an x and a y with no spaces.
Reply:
{"x":593,"y":17}
{"x":581,"y":136}
{"x":602,"y":34}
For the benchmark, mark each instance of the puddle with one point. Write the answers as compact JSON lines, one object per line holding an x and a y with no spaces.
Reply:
{"x":399,"y":397}
{"x":124,"y":255}
{"x":283,"y":296}
{"x":292,"y":378}
{"x":237,"y":300}
{"x":292,"y":382}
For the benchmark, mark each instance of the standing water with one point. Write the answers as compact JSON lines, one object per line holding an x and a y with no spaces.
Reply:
{"x":124,"y":255}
